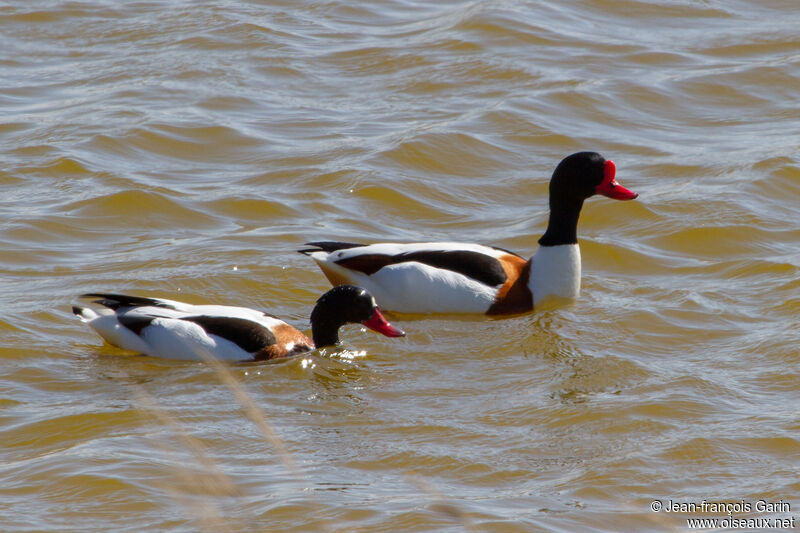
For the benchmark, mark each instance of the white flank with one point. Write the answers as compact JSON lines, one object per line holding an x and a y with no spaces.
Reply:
{"x":413,"y":287}
{"x":171,"y":338}
{"x":556,"y":271}
{"x":418,"y":288}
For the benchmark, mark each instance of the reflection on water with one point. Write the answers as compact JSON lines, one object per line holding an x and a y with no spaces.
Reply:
{"x":185,"y":151}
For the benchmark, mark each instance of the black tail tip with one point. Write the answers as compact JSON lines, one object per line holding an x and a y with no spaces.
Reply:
{"x":307,"y":251}
{"x":328,"y":246}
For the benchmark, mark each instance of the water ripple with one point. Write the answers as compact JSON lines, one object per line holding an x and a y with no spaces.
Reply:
{"x":188,"y":150}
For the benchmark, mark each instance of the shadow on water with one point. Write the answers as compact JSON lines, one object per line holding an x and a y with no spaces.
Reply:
{"x":577,"y":374}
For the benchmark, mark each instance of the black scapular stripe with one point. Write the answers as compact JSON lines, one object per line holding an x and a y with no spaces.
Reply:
{"x":474,"y":265}
{"x":248,"y":335}
{"x":135,"y":323}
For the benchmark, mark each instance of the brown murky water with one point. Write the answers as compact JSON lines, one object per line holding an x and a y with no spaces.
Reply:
{"x":187,"y":149}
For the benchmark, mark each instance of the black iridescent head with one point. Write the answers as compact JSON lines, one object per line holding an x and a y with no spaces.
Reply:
{"x":584,"y":174}
{"x":576,"y":178}
{"x":347,"y":304}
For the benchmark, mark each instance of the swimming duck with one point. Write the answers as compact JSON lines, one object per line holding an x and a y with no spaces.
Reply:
{"x":448,"y":277}
{"x":177,"y":330}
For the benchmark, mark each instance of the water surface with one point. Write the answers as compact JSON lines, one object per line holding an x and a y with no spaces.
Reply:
{"x":186,"y":150}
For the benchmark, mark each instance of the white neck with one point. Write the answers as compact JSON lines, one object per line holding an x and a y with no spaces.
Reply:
{"x":556,"y":271}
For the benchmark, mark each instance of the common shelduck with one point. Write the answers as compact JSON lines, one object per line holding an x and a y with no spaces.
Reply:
{"x":177,"y":330}
{"x":448,"y":277}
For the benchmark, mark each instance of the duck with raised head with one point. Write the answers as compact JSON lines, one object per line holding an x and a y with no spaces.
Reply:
{"x":449,"y":277}
{"x":177,"y":330}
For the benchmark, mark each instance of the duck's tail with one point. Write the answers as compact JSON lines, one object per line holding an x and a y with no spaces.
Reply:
{"x":328,"y":246}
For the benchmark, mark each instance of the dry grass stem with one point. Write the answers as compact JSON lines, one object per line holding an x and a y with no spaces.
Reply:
{"x":205,"y":513}
{"x":441,"y":504}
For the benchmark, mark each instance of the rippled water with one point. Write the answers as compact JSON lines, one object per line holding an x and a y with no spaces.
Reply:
{"x":187,"y":149}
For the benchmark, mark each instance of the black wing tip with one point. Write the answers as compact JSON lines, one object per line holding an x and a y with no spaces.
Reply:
{"x":109,"y":295}
{"x":328,"y":246}
{"x":78,"y":310}
{"x":114,"y":301}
